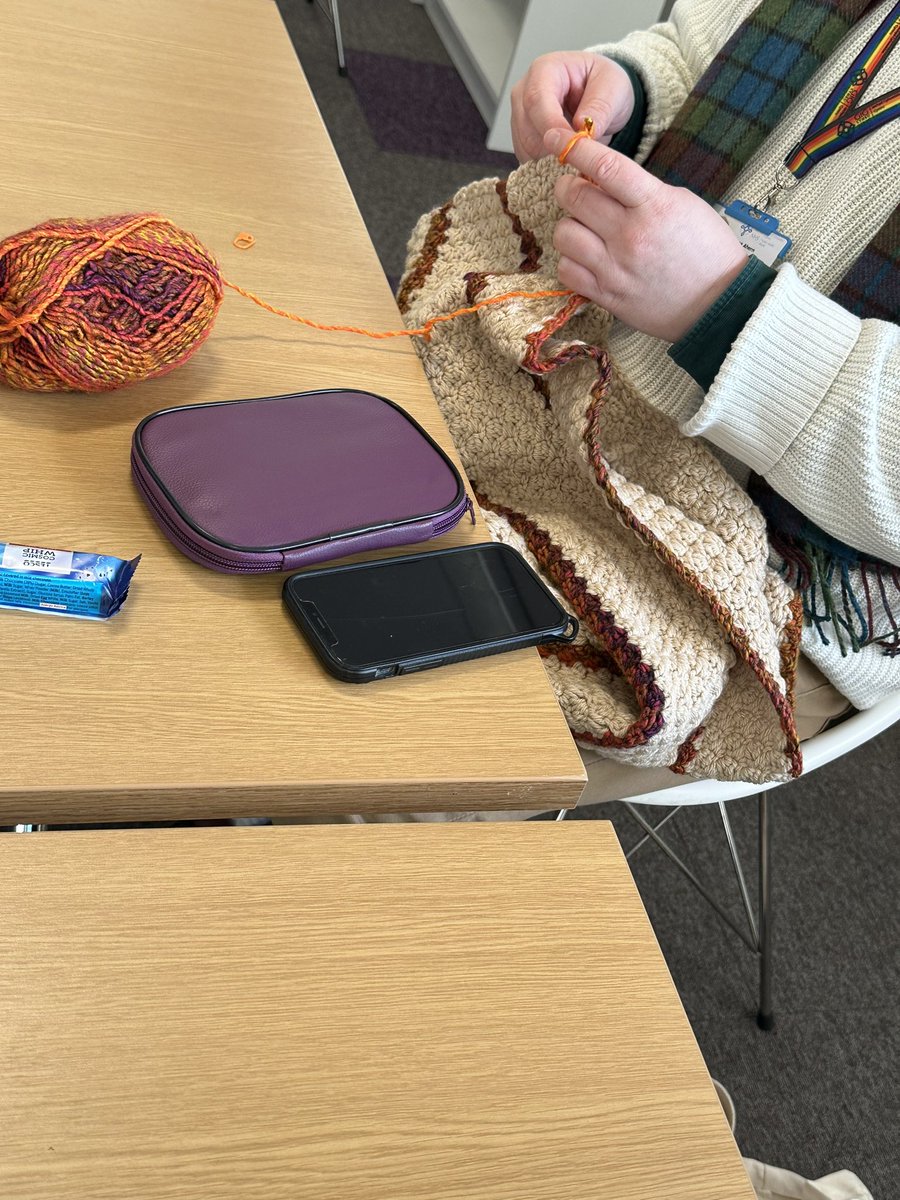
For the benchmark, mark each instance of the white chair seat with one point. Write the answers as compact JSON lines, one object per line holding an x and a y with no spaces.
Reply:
{"x":817,"y":751}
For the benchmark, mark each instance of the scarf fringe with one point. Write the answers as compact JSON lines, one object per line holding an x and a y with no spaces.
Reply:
{"x":832,"y":603}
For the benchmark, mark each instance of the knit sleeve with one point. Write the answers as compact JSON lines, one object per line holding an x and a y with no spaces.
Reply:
{"x":670,"y":57}
{"x":809,"y":398}
{"x":703,"y":349}
{"x":628,"y":140}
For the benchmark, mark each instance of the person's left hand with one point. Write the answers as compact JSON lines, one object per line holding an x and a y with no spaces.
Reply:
{"x":654,"y":256}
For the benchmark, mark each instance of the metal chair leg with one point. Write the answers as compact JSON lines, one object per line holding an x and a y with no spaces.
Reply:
{"x":338,"y":39}
{"x":739,"y":872}
{"x":673,"y":812}
{"x":689,"y":875}
{"x":333,"y":14}
{"x":765,"y":1018}
{"x":760,"y":933}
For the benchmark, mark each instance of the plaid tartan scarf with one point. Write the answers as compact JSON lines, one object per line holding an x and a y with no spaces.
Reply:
{"x":871,"y":288}
{"x":747,"y":88}
{"x":734,"y":106}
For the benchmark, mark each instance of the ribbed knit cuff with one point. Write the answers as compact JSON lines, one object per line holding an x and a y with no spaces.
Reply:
{"x":627,"y":140}
{"x":665,"y":78}
{"x":781,"y":366}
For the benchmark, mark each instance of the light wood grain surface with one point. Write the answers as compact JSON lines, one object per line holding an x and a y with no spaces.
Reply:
{"x":200,"y":698}
{"x":378,"y":1012}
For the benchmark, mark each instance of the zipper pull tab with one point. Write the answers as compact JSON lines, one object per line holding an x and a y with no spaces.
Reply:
{"x":470,"y":507}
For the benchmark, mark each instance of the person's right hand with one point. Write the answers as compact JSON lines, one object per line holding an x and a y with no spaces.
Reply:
{"x":559,"y":90}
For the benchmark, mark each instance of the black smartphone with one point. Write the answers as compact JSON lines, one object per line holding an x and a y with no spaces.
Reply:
{"x":393,"y":616}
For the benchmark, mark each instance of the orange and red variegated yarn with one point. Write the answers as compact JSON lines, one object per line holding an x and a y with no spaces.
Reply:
{"x":89,"y":306}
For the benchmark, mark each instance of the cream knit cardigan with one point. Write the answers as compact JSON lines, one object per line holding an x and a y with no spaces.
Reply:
{"x":809,"y":396}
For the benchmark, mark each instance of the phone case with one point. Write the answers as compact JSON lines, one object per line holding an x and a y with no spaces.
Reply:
{"x":317,"y":633}
{"x":279,"y":482}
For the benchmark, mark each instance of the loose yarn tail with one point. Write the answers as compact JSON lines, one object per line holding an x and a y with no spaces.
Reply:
{"x":425,"y":331}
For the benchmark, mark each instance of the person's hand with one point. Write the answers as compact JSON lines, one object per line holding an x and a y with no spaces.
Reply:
{"x":654,"y":256}
{"x":559,"y":90}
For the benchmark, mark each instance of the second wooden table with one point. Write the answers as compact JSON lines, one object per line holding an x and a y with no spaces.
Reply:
{"x":355,"y":1013}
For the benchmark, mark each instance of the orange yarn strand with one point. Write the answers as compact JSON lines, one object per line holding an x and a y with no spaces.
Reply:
{"x":424,"y":332}
{"x":586,"y":132}
{"x":427,"y":329}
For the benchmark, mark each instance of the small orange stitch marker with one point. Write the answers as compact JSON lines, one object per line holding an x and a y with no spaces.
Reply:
{"x":586,"y":132}
{"x":244,"y":241}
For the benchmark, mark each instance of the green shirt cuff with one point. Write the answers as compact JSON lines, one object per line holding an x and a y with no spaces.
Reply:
{"x":627,"y":140}
{"x":705,"y":346}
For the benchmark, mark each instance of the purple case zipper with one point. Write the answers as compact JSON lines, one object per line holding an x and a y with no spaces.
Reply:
{"x":244,"y":562}
{"x":188,"y":545}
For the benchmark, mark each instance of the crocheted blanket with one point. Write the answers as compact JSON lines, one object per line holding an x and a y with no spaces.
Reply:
{"x":688,"y":641}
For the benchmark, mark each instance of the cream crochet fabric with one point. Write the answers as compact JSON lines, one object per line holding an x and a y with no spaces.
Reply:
{"x":809,"y":395}
{"x":689,"y":638}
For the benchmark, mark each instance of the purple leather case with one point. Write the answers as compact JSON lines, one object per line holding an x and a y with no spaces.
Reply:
{"x":285,"y":481}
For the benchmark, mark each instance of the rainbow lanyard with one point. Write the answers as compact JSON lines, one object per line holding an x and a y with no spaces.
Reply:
{"x":842,"y":120}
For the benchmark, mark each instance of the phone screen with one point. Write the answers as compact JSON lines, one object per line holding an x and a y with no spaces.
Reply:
{"x":444,"y":600}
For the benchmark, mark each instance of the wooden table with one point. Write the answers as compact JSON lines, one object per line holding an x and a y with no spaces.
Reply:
{"x":338,"y":1013}
{"x":199,"y":698}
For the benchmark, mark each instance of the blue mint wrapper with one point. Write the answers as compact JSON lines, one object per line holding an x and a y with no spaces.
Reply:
{"x":69,"y":582}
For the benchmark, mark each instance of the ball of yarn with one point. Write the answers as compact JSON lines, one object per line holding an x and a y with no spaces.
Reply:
{"x":90,"y":306}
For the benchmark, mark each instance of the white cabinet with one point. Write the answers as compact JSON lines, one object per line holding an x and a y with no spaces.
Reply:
{"x":492,"y":42}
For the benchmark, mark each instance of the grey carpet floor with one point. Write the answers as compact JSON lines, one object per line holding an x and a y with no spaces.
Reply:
{"x":821,"y":1091}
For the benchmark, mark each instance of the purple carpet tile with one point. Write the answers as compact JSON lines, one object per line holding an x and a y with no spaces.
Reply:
{"x":420,"y":108}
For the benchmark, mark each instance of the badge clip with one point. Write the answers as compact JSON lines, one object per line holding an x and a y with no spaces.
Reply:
{"x":756,"y":230}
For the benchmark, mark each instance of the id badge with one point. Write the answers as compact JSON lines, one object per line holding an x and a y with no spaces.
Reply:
{"x":757,"y":231}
